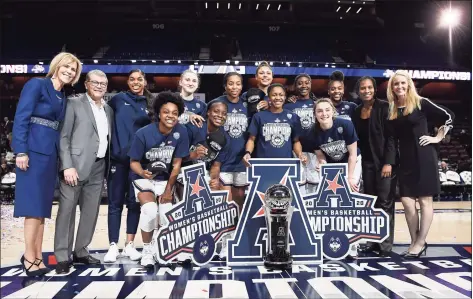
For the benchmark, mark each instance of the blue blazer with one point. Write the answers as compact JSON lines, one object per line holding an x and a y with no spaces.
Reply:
{"x":38,"y":98}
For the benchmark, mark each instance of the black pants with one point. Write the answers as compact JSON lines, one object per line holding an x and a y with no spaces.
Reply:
{"x":385,"y":190}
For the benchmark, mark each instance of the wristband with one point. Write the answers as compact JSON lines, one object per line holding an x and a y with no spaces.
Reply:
{"x":248,"y":152}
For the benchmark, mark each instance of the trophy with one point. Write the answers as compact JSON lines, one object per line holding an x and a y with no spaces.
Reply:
{"x":278,"y":212}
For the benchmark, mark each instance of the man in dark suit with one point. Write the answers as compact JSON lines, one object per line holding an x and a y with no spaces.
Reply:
{"x":84,"y":144}
{"x":378,"y":151}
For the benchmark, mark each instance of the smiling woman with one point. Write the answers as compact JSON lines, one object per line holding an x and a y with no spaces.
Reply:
{"x":276,"y":131}
{"x":131,"y":113}
{"x":38,"y":117}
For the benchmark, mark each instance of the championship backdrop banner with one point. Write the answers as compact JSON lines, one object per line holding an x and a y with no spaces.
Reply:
{"x":429,"y":74}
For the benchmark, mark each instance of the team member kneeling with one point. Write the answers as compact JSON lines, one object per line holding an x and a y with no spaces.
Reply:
{"x":156,"y":149}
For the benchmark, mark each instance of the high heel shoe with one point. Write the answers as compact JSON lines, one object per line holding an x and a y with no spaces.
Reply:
{"x":410,"y":255}
{"x":45,"y":269}
{"x":29,"y":273}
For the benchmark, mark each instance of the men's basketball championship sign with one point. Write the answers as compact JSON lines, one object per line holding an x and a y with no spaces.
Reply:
{"x":197,"y":222}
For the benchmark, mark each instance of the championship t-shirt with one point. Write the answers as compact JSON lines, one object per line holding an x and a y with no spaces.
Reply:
{"x":199,"y":136}
{"x":305,"y":110}
{"x":150,"y":145}
{"x":236,"y":127}
{"x":345,"y":109}
{"x":274,"y":133}
{"x":334,"y":141}
{"x":193,"y":106}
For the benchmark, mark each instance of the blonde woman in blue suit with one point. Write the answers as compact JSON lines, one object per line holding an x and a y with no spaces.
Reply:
{"x":36,"y":127}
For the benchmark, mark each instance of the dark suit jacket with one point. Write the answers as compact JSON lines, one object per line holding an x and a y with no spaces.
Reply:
{"x":382,"y":142}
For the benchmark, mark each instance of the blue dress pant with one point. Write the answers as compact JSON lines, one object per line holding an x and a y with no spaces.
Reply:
{"x":120,"y":192}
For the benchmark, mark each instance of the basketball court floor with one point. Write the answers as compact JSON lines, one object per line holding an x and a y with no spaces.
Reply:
{"x":444,"y":272}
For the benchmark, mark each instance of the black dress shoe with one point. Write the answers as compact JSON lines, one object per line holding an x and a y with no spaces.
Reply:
{"x":368,"y":248}
{"x":384,"y":253}
{"x":29,"y":273}
{"x":45,"y":270}
{"x":422,"y":251}
{"x":63,"y":267}
{"x":88,"y":260}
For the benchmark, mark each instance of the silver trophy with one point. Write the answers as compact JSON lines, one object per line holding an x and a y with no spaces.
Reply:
{"x":278,"y":212}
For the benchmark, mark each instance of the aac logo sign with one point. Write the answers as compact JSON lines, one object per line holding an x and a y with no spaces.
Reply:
{"x":198,"y":222}
{"x":249,"y":243}
{"x":343,"y":217}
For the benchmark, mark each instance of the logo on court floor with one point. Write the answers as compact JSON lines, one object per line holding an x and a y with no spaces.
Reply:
{"x":341,"y":216}
{"x":198,"y":221}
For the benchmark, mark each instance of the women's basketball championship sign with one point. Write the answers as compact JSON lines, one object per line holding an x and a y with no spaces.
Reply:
{"x":196,"y":223}
{"x":278,"y":226}
{"x":322,"y":224}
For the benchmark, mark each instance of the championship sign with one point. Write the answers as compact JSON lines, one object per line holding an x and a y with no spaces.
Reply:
{"x":249,"y":244}
{"x":343,"y":217}
{"x":198,"y":222}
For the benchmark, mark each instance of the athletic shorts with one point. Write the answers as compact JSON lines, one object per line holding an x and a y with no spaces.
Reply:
{"x":236,"y":179}
{"x":145,"y":185}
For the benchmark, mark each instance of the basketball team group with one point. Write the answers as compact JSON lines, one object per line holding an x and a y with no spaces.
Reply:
{"x":138,"y":142}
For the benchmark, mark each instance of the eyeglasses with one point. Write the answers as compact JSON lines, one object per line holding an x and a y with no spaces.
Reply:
{"x":97,"y":84}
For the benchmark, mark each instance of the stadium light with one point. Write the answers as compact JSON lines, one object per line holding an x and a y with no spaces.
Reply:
{"x":257,"y":6}
{"x":348,"y":9}
{"x":178,"y":61}
{"x":267,"y":8}
{"x":450,"y":17}
{"x":256,"y":63}
{"x":96,"y":61}
{"x":133,"y":61}
{"x":206,"y":5}
{"x":271,"y":63}
{"x":228,"y":5}
{"x":239,"y":6}
{"x":359,"y":9}
{"x":217,"y":5}
{"x":338,"y":9}
{"x":279,"y":7}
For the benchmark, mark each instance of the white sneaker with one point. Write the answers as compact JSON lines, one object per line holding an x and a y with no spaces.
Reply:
{"x":224,"y":250}
{"x":112,"y":254}
{"x":147,"y":259}
{"x":353,"y":250}
{"x":131,"y":252}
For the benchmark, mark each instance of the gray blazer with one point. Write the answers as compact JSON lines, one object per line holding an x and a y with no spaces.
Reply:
{"x":79,"y":141}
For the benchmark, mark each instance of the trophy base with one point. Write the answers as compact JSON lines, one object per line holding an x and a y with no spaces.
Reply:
{"x":278,"y":263}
